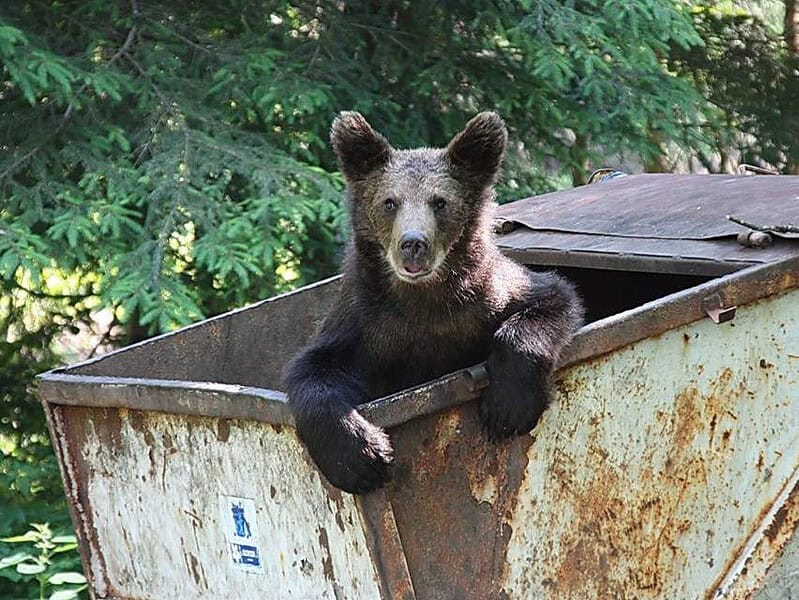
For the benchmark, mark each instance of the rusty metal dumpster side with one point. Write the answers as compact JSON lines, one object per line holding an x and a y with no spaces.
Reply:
{"x":607,"y":498}
{"x":649,"y":478}
{"x":148,"y":487}
{"x":666,"y":468}
{"x":247,"y":346}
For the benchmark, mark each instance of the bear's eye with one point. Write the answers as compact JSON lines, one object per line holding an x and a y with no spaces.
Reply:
{"x":390,"y":204}
{"x":439,"y":204}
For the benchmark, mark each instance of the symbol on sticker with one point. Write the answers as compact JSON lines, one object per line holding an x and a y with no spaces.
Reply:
{"x":240,"y":521}
{"x":245,"y":555}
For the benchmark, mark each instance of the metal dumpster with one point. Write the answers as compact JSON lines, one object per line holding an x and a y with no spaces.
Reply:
{"x":668,"y":467}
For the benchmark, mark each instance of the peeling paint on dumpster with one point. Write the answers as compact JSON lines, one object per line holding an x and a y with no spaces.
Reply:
{"x":154,"y":483}
{"x":659,"y":462}
{"x":667,"y":467}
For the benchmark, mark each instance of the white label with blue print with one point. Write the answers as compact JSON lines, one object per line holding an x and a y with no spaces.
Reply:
{"x":240,"y":526}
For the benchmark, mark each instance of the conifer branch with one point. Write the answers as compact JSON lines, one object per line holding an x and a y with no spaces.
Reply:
{"x":68,"y":112}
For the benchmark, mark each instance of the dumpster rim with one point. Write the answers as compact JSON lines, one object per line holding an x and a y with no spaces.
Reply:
{"x":230,"y":401}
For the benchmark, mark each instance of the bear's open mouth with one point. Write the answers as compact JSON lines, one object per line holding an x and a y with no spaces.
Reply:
{"x":413,"y":272}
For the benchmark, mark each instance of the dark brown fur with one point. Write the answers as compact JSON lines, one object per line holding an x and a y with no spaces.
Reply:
{"x":391,"y":329}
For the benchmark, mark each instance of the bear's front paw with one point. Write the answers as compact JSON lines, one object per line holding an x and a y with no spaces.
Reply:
{"x":352,"y":453}
{"x":517,"y":396}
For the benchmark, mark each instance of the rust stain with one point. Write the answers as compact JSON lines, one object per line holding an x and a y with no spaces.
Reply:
{"x":223,"y":430}
{"x":327,"y":559}
{"x":775,"y":537}
{"x":785,"y":520}
{"x":695,"y":412}
{"x":196,"y":518}
{"x":447,"y":455}
{"x":69,"y":430}
{"x":613,"y":542}
{"x":611,"y":535}
{"x":385,"y":545}
{"x":194,"y":569}
{"x":589,"y":548}
{"x":339,"y":520}
{"x":574,"y":386}
{"x":687,"y":417}
{"x":109,"y":425}
{"x":447,"y":431}
{"x":167,"y":442}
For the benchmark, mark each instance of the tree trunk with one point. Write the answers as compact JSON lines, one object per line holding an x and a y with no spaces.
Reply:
{"x":579,"y":159}
{"x":656,"y":163}
{"x":791,"y":30}
{"x":791,"y":35}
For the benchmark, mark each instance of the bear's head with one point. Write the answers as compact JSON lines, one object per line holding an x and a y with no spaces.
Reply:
{"x":414,"y":206}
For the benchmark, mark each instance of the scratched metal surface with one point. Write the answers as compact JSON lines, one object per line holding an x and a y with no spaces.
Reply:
{"x":146,"y":487}
{"x":667,"y":468}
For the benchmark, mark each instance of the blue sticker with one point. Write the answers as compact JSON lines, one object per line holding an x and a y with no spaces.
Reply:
{"x":240,"y":528}
{"x":245,"y":555}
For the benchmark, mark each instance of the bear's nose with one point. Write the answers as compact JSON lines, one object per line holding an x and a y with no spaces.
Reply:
{"x":414,"y":245}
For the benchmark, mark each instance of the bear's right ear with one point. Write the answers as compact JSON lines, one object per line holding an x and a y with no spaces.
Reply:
{"x":479,"y":148}
{"x":359,"y":148}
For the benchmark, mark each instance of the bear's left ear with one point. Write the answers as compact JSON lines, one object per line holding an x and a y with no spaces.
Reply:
{"x":479,"y":148}
{"x":359,"y":148}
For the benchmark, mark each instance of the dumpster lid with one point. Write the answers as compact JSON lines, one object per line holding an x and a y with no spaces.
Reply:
{"x":679,"y":222}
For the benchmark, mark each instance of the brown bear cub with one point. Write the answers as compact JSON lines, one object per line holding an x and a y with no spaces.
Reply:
{"x":425,"y":292}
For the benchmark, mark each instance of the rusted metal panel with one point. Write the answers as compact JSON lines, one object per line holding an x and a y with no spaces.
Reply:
{"x":662,"y":206}
{"x":148,"y":488}
{"x":451,"y":493}
{"x":655,"y":223}
{"x":660,"y":461}
{"x":665,"y":469}
{"x":759,"y":565}
{"x":649,"y":478}
{"x":781,"y":581}
{"x":385,"y":543}
{"x":246,"y":347}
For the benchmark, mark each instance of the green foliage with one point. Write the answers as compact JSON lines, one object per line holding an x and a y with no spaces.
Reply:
{"x":45,"y":562}
{"x":751,"y":80}
{"x":28,"y":473}
{"x":181,"y":154}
